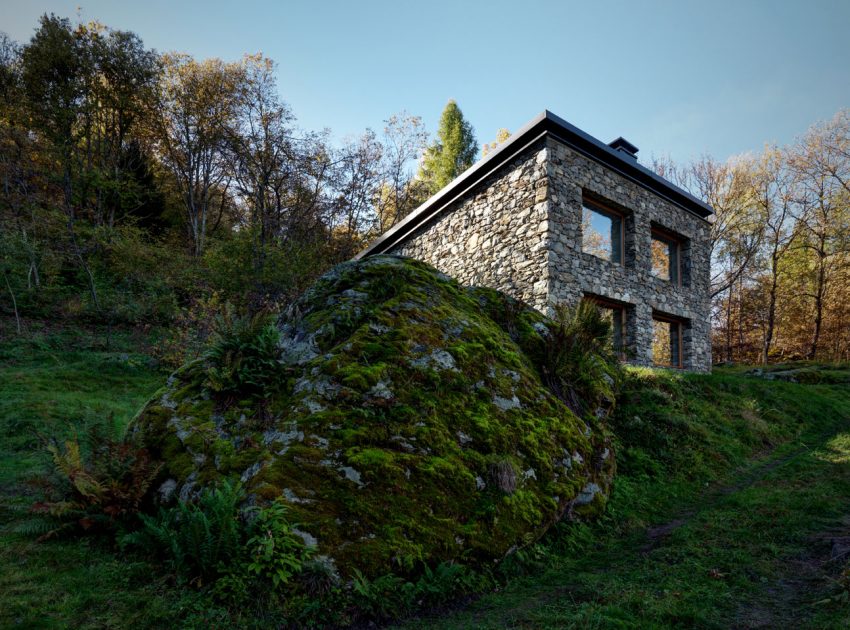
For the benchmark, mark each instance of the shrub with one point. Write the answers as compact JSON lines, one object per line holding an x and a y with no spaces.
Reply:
{"x":214,"y":542}
{"x":97,"y":492}
{"x":275,"y":553}
{"x":258,"y":275}
{"x":392,"y":597}
{"x":189,"y":333}
{"x":385,"y":597}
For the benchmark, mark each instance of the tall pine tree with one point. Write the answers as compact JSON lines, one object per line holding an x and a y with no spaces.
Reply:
{"x":453,"y":152}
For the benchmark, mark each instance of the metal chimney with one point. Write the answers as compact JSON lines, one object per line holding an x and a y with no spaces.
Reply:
{"x":625,"y":147}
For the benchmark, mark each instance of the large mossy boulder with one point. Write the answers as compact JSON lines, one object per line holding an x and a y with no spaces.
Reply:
{"x":404,"y":420}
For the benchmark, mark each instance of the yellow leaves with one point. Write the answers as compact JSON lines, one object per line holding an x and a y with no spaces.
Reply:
{"x":70,"y":463}
{"x":502,"y":136}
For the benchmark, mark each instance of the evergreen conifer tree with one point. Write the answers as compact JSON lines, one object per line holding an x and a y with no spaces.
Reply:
{"x":453,"y":152}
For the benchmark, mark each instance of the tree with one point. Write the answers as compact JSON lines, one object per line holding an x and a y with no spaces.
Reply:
{"x":356,"y":186}
{"x":119,"y":80}
{"x":197,"y":111}
{"x":52,"y":78}
{"x":824,"y":215}
{"x":261,"y":149}
{"x":404,"y":141}
{"x":84,"y":90}
{"x":774,"y":185}
{"x":452,"y":153}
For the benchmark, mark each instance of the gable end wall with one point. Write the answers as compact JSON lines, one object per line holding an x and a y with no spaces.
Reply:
{"x":494,"y":235}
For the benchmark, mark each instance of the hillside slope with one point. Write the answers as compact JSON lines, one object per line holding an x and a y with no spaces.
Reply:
{"x":731,"y":508}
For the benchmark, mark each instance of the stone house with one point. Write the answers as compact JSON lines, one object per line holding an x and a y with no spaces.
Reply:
{"x":555,"y":216}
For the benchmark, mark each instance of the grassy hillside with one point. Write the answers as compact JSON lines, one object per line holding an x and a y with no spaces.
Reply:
{"x":730,"y":507}
{"x":60,"y":385}
{"x":730,"y":510}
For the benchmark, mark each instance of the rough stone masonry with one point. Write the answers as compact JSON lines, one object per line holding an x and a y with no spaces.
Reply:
{"x":513,"y":222}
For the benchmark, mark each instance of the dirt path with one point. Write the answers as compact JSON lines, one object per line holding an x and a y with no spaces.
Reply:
{"x":792,"y":597}
{"x":658,"y":533}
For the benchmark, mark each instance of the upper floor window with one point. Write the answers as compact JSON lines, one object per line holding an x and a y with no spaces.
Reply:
{"x":666,"y":257}
{"x":602,"y":232}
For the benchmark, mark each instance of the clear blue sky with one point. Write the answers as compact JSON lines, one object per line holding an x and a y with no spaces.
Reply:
{"x":678,"y":78}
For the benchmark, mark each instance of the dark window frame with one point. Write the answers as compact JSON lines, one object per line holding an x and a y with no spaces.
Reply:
{"x":620,"y":307}
{"x":680,"y":326}
{"x":605,"y":210}
{"x":670,"y":238}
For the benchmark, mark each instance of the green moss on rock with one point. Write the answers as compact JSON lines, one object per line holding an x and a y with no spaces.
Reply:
{"x":409,"y":424}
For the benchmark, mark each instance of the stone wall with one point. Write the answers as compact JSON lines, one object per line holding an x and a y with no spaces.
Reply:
{"x":574,"y":273}
{"x":519,"y":231}
{"x":494,"y":236}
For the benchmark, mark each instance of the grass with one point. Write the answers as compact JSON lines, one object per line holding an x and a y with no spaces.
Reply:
{"x":704,"y":536}
{"x":731,"y":506}
{"x":58,"y":385}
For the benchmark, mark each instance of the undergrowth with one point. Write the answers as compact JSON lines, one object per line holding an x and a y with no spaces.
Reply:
{"x":675,"y":434}
{"x":101,"y":490}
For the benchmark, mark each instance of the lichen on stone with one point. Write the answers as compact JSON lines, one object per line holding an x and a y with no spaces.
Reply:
{"x":408,"y":424}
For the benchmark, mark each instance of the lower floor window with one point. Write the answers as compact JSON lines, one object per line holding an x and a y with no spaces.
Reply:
{"x":666,"y":342}
{"x":615,"y":314}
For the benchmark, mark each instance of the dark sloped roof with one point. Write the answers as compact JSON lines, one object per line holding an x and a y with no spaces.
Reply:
{"x":540,"y":126}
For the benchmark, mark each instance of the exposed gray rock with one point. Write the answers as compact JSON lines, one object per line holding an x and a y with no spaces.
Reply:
{"x":587,"y":493}
{"x":381,"y":390}
{"x":309,"y":540}
{"x":166,"y":490}
{"x":351,"y":474}
{"x":506,"y":404}
{"x":437,"y":359}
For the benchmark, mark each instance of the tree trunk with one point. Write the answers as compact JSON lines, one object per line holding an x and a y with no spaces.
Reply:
{"x":771,"y":311}
{"x":14,"y":301}
{"x":729,"y":326}
{"x":741,"y":356}
{"x":818,"y":307}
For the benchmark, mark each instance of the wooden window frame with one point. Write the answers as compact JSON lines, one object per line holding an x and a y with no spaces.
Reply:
{"x":604,"y":209}
{"x":675,"y":239}
{"x":680,"y":325}
{"x":613,"y":305}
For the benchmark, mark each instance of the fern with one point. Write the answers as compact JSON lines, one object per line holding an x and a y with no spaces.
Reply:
{"x":243,"y":355}
{"x":93,"y":493}
{"x":198,"y":539}
{"x":578,"y":362}
{"x":385,"y":597}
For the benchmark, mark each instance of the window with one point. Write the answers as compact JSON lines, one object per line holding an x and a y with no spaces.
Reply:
{"x":616,"y":315}
{"x":665,"y":257}
{"x":602,"y":232}
{"x":666,"y":342}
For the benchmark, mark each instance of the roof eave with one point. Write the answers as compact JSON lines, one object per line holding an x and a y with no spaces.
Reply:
{"x":545,"y":123}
